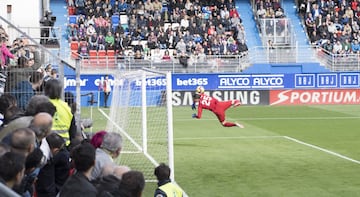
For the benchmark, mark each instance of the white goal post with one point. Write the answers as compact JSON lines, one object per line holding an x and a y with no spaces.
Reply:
{"x":141,"y":111}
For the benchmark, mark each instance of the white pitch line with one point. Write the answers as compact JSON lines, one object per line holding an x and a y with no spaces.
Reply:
{"x":322,"y":149}
{"x":228,"y":138}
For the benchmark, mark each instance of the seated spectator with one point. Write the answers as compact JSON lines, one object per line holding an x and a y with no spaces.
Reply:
{"x":152,"y":40}
{"x":138,"y":55}
{"x":83,"y":48}
{"x":166,"y":55}
{"x":79,"y":183}
{"x":328,"y":47}
{"x":72,"y":32}
{"x":109,"y":41}
{"x":242,"y":48}
{"x":110,"y":149}
{"x":338,"y":48}
{"x":355,"y":47}
{"x":101,"y":43}
{"x":156,"y":55}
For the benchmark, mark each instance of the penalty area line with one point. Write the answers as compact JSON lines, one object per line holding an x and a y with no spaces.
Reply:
{"x":228,"y":138}
{"x":322,"y":149}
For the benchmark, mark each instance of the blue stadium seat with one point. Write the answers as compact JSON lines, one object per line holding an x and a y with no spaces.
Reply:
{"x":72,"y":19}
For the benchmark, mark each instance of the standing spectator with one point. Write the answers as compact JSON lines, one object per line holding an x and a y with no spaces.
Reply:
{"x":53,"y":175}
{"x":18,"y":75}
{"x":4,"y":53}
{"x":63,"y":121}
{"x":165,"y":187}
{"x":22,"y":141}
{"x":80,"y":7}
{"x":110,"y":149}
{"x":79,"y":184}
{"x":12,"y":167}
{"x":106,"y":88}
{"x":97,"y":139}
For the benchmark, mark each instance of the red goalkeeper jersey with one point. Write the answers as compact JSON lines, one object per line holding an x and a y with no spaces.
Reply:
{"x":206,"y":102}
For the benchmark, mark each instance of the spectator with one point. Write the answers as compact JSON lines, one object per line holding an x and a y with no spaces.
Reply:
{"x":41,"y":124}
{"x":132,"y":184}
{"x":19,"y":76}
{"x":93,"y":45}
{"x":12,"y":168}
{"x":63,"y":121}
{"x":72,"y":32}
{"x":106,"y":88}
{"x":355,"y":47}
{"x":338,"y":49}
{"x":115,"y":170}
{"x":110,"y":149}
{"x":6,"y":101}
{"x":22,"y":141}
{"x":166,"y":55}
{"x":110,"y":41}
{"x":242,"y":48}
{"x":83,"y":48}
{"x":79,"y":183}
{"x":97,"y":139}
{"x":101,"y":43}
{"x":165,"y":186}
{"x":5,"y":53}
{"x":53,"y":175}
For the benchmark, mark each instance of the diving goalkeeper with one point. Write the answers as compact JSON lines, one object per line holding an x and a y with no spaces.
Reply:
{"x":217,"y":107}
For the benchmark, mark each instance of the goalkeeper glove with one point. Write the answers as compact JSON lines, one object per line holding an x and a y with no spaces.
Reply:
{"x":194,"y":116}
{"x":193,"y":106}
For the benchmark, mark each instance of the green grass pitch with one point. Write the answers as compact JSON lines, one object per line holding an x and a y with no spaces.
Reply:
{"x":282,"y":151}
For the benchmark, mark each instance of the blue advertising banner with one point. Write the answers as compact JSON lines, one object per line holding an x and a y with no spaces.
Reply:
{"x":232,"y":81}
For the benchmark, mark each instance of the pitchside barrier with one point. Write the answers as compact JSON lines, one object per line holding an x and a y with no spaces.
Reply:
{"x":251,"y":89}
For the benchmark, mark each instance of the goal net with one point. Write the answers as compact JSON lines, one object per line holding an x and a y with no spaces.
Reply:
{"x":141,"y":111}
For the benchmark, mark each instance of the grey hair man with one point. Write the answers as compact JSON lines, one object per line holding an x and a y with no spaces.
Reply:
{"x":109,"y":150}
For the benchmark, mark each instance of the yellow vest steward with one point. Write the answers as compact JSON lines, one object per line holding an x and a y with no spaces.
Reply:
{"x":62,"y":119}
{"x":171,"y":190}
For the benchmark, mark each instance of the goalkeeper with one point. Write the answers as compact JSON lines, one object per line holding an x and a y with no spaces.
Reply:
{"x":217,"y":107}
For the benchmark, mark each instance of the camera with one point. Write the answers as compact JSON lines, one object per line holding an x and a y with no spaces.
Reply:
{"x":48,"y":19}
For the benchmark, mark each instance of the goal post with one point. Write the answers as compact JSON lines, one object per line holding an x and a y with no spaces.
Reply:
{"x":141,"y":111}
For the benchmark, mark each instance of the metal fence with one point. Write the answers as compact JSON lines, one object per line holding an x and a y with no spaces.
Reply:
{"x":191,"y":64}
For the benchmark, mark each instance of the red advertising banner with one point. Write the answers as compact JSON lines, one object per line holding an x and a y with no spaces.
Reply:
{"x":315,"y":97}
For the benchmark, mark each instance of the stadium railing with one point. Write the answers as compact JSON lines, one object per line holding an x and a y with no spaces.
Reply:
{"x":195,"y":64}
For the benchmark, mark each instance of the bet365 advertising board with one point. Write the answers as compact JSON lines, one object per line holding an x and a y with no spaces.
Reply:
{"x":251,"y":89}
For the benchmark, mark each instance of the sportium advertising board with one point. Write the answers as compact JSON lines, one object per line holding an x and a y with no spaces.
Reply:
{"x":315,"y":97}
{"x":251,"y":89}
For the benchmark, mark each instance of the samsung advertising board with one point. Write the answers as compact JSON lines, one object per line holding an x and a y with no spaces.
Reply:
{"x":188,"y":82}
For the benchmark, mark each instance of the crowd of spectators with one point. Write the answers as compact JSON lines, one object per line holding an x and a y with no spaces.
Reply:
{"x":333,"y":25}
{"x":192,"y":27}
{"x":35,"y":159}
